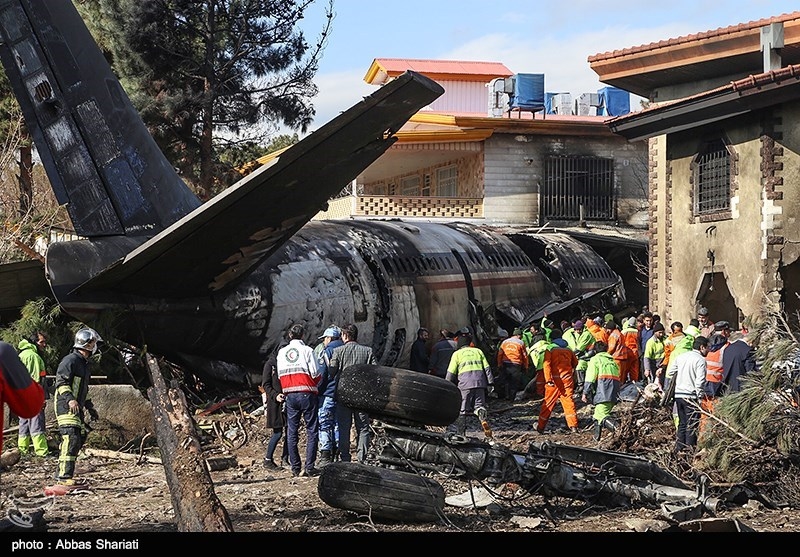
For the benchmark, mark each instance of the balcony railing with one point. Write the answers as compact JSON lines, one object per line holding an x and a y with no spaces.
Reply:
{"x":402,"y":206}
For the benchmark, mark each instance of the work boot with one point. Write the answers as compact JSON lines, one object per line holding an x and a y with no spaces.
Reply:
{"x":325,"y":458}
{"x":269,"y":464}
{"x":610,"y":424}
{"x":461,"y":425}
{"x":598,"y":430}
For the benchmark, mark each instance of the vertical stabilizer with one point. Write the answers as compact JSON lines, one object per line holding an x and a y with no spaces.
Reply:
{"x":100,"y":159}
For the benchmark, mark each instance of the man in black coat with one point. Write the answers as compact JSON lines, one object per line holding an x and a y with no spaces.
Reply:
{"x":737,"y":360}
{"x":419,"y":352}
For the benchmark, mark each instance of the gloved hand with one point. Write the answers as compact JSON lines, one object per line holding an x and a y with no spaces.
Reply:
{"x":89,"y":405}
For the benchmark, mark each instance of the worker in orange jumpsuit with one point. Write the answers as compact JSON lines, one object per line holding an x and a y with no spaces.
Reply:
{"x":630,"y":335}
{"x":512,"y":362}
{"x":595,"y":327}
{"x":618,"y":350}
{"x":559,"y":368}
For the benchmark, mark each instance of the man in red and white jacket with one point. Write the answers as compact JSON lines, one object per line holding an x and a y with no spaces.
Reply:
{"x":299,"y":377}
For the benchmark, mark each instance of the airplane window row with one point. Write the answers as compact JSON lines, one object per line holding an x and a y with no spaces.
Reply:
{"x":433,"y":263}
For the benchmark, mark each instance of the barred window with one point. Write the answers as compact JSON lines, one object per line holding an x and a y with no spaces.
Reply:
{"x":447,"y":181}
{"x":712,"y":179}
{"x":572,"y":182}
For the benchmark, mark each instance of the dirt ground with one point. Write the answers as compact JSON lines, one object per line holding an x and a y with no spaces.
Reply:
{"x":129,"y":496}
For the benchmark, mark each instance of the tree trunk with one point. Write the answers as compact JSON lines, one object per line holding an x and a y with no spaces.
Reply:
{"x":196,"y":506}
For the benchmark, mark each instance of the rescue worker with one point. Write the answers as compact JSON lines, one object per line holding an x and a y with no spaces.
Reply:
{"x":618,"y":349}
{"x":595,"y":327}
{"x":630,"y":336}
{"x":654,"y":355}
{"x":299,"y":376}
{"x":675,"y":336}
{"x":559,"y":373}
{"x":72,"y":387}
{"x":714,"y":375}
{"x":580,"y":341}
{"x":469,"y":370}
{"x":512,"y":363}
{"x":32,"y":435}
{"x":602,"y":389}
{"x":536,"y":352}
{"x":24,"y":396}
{"x":690,"y":381}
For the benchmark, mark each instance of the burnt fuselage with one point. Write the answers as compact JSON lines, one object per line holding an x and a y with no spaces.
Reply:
{"x":387,"y":277}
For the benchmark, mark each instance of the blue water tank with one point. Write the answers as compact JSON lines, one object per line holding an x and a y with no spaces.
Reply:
{"x":613,"y":102}
{"x":528,"y":92}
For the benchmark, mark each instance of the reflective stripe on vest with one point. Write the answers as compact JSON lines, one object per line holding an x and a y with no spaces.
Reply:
{"x":714,"y":369}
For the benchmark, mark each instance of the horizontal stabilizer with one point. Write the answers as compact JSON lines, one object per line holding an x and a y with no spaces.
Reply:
{"x":221,"y":241}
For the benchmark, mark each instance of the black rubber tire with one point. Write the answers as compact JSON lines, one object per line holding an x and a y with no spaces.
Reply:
{"x":395,"y":393}
{"x":381,"y":493}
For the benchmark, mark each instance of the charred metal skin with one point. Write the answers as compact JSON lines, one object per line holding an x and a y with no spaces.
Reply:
{"x":551,"y":469}
{"x":214,"y":286}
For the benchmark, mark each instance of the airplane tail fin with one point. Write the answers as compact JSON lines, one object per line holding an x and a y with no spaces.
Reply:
{"x":99,"y":156}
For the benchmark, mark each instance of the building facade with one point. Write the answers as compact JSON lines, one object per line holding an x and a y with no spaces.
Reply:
{"x":462,"y":158}
{"x":724,"y":155}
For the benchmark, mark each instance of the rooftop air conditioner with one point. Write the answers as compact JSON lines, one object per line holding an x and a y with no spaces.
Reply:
{"x":528,"y":92}
{"x":586,"y":102}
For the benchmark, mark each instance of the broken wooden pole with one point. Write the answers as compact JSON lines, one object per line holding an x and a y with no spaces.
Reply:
{"x":196,"y":505}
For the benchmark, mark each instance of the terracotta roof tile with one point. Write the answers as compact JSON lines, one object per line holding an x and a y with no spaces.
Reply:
{"x":696,"y":36}
{"x":460,"y":67}
{"x":750,"y":82}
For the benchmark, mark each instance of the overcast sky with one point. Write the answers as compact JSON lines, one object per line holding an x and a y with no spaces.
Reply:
{"x":551,"y":37}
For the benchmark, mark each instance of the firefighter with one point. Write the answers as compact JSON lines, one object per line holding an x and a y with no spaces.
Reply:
{"x":72,"y":386}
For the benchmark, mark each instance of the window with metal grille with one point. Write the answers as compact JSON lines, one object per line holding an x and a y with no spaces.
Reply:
{"x":574,"y":181}
{"x":712,"y":178}
{"x":447,"y":181}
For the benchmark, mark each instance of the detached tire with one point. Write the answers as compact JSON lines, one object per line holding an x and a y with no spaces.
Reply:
{"x":395,"y":393}
{"x":381,"y":492}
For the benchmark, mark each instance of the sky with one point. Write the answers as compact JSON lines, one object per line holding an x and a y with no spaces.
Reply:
{"x":529,"y":36}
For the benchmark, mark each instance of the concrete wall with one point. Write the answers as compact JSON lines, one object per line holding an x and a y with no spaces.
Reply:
{"x":514,"y":171}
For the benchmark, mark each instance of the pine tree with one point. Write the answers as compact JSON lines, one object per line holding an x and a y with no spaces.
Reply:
{"x":205,"y":73}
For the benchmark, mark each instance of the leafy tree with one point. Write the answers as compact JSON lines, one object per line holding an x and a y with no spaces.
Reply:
{"x":209,"y":74}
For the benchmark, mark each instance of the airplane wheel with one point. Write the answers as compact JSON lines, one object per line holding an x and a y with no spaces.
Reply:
{"x":380,"y":492}
{"x":395,"y":393}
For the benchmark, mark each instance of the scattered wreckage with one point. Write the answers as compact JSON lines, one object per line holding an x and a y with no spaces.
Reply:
{"x":397,"y":482}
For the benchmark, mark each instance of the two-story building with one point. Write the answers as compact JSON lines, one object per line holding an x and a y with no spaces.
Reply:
{"x":487,"y":154}
{"x":724,"y":157}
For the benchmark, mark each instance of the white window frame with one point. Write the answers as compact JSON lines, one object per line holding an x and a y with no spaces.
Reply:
{"x":447,"y":181}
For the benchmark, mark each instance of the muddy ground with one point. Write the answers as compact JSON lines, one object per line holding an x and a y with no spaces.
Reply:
{"x":128,"y":496}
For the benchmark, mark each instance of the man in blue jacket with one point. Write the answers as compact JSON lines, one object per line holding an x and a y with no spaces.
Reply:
{"x":328,"y":439}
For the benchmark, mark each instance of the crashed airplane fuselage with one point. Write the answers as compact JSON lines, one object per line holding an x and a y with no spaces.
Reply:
{"x":214,"y":286}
